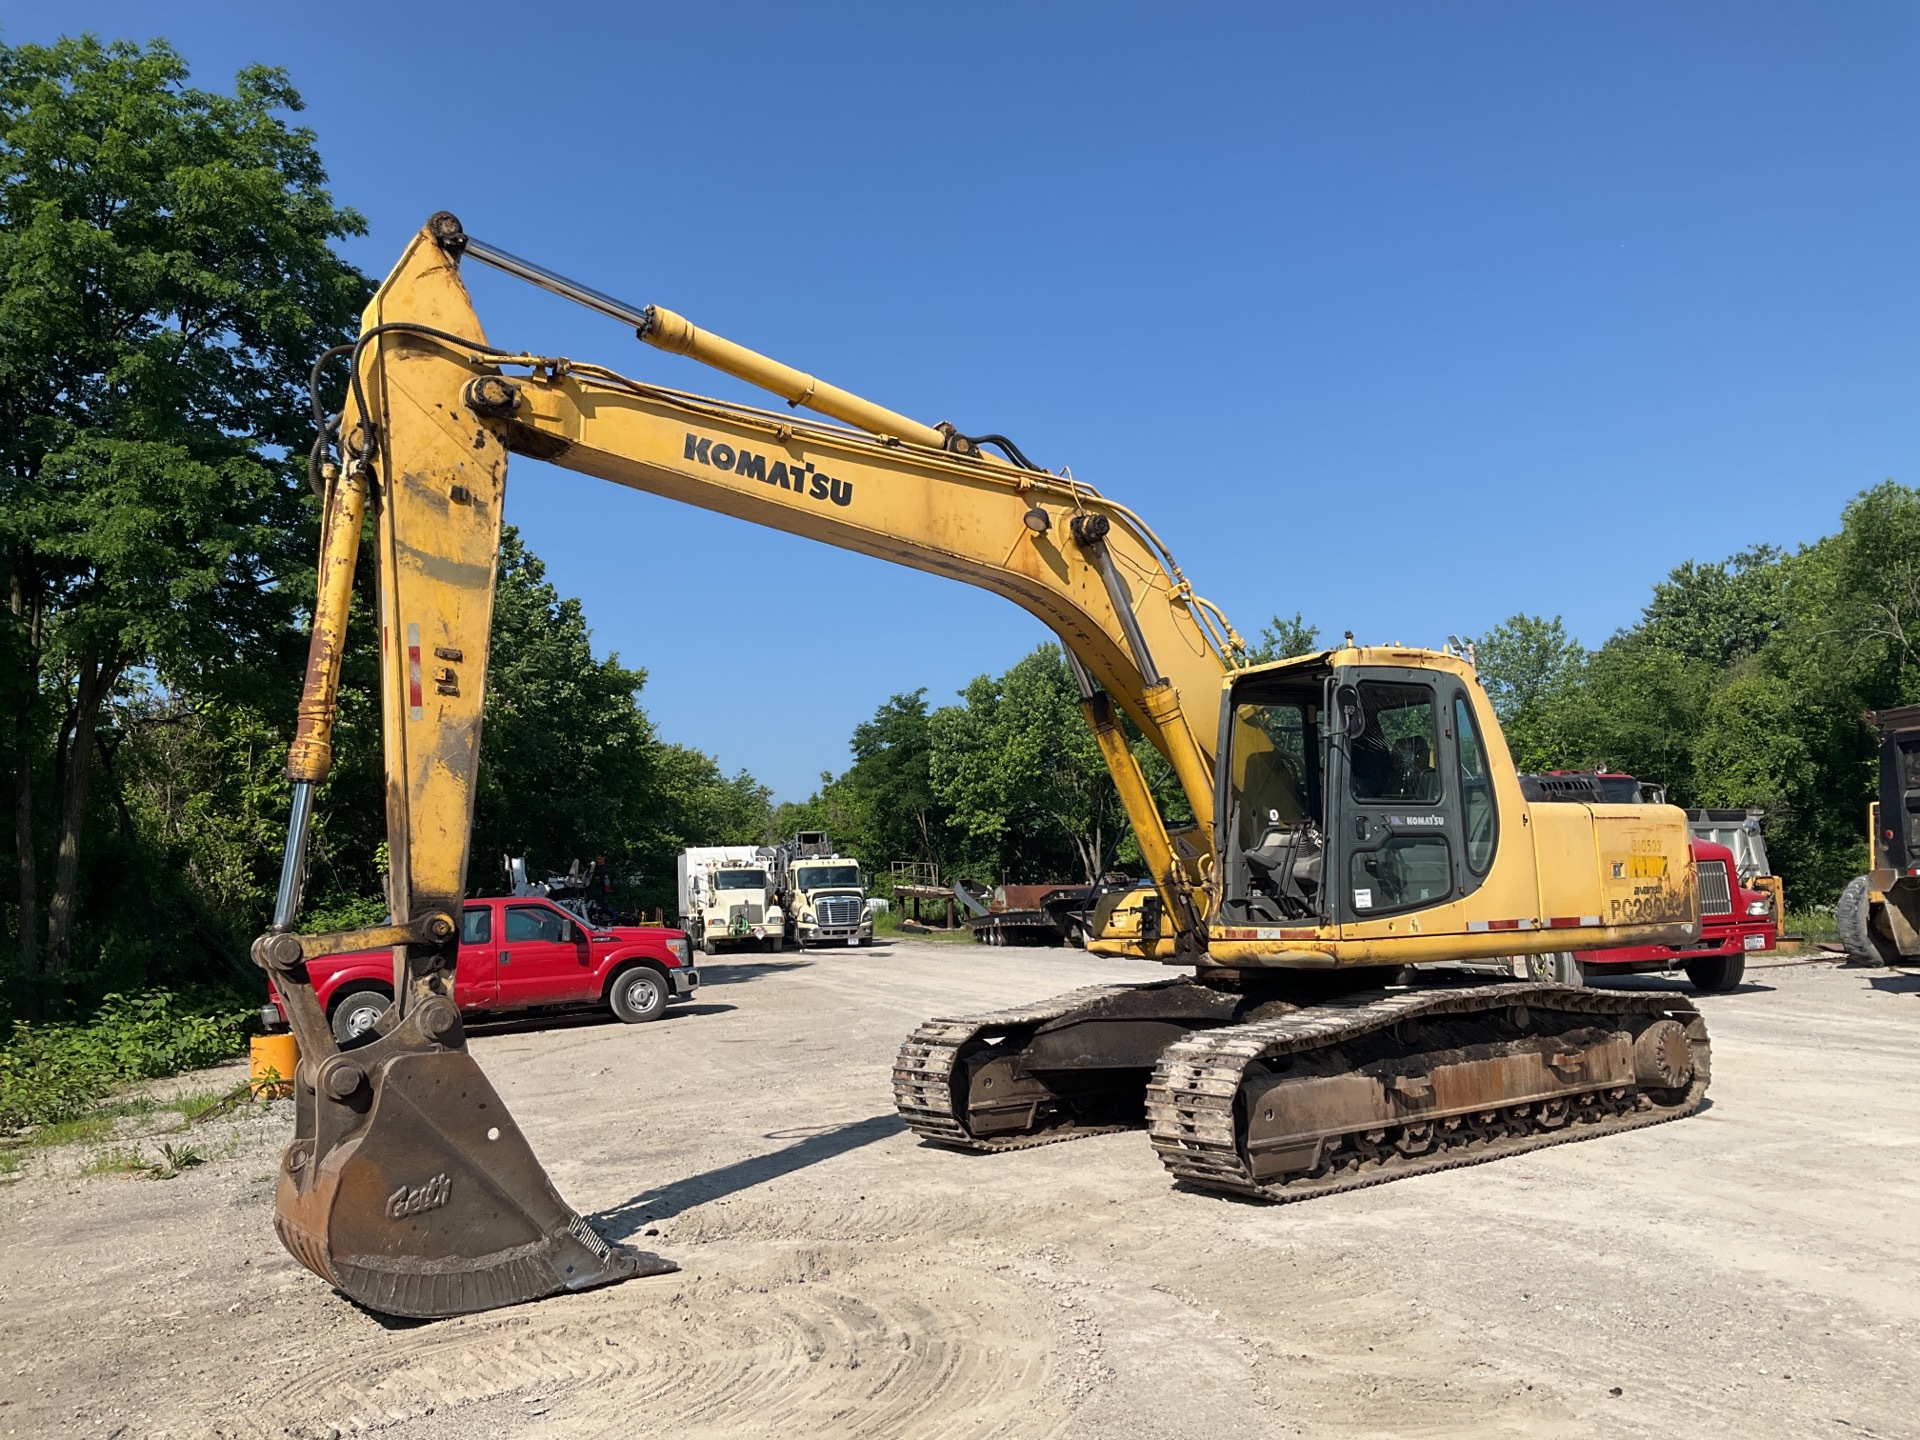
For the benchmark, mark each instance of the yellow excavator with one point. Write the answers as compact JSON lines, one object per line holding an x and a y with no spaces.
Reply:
{"x":1358,"y":827}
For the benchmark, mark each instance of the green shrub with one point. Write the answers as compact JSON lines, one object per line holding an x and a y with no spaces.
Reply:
{"x":55,"y":1073}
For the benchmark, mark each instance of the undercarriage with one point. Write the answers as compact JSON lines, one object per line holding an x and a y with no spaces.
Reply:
{"x":1290,"y":1086}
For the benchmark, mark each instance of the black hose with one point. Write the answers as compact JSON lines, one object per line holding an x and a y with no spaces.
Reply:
{"x":1011,"y":450}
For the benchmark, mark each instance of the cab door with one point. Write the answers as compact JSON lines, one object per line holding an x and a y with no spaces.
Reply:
{"x":476,"y":984}
{"x":544,"y":957}
{"x":1397,"y":844}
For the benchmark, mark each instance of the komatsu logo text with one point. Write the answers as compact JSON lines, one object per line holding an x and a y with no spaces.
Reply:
{"x":801,"y":477}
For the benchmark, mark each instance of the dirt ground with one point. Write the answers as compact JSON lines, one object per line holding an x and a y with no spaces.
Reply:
{"x":1752,"y":1271}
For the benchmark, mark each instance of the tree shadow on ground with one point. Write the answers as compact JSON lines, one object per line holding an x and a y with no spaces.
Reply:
{"x":740,"y":972}
{"x":588,"y":1019}
{"x":814,"y":1145}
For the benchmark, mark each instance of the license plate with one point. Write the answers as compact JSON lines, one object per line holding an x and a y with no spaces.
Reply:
{"x":1755,"y":942}
{"x":853,"y":940}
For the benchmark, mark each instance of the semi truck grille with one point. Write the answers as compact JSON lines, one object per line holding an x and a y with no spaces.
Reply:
{"x":1716,"y":896}
{"x":746,"y":914}
{"x":839,"y":910}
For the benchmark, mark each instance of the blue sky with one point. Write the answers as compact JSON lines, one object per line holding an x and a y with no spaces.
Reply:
{"x":1407,"y":316}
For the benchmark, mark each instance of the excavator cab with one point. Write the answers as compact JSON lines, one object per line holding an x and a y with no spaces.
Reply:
{"x":1351,"y":791}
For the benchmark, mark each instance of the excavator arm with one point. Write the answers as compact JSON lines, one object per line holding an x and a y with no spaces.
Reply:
{"x":407,"y":1184}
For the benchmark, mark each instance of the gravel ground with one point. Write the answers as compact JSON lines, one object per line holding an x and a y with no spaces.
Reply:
{"x":1751,"y":1270}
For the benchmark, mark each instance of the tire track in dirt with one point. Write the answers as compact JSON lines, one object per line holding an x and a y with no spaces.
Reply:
{"x":818,"y":1342}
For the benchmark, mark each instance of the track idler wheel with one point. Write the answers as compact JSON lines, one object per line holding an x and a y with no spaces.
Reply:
{"x":410,"y":1188}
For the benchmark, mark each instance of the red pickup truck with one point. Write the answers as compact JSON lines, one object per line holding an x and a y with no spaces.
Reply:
{"x":518,"y":953}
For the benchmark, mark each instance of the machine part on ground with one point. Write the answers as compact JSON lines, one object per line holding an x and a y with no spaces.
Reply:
{"x":1878,"y":913}
{"x":1380,"y":1086}
{"x":1032,"y":915}
{"x":1353,"y":811}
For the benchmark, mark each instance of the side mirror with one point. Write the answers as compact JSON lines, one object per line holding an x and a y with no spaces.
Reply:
{"x":1353,"y":719}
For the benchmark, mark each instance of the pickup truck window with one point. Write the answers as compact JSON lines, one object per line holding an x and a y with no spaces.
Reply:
{"x":533,"y":922}
{"x":476,"y":925}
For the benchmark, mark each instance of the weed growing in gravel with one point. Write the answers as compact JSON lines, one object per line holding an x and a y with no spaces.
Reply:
{"x":11,"y":1163}
{"x":121,"y":1160}
{"x":195,"y":1102}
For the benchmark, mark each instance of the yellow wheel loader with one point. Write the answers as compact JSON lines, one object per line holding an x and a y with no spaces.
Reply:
{"x":1357,"y":820}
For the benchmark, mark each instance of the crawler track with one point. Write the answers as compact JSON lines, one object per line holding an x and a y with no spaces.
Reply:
{"x":924,"y":1072}
{"x":1198,"y":1128}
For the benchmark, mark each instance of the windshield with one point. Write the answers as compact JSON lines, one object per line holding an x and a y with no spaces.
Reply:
{"x":822,"y":877}
{"x":739,"y":879}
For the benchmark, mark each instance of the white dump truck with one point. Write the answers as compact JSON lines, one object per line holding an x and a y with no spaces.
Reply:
{"x":728,"y":899}
{"x":822,"y":893}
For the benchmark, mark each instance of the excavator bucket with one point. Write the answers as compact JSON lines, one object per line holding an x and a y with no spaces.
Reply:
{"x":409,"y":1187}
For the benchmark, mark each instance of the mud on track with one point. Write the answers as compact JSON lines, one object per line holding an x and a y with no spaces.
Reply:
{"x":1753,"y":1266}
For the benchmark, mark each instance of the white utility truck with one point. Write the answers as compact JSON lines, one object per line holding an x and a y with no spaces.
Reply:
{"x":822,"y":893}
{"x":727,"y":898}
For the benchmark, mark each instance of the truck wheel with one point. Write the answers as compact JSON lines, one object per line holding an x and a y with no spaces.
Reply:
{"x":358,"y":1012}
{"x":638,"y":995}
{"x":775,"y":943}
{"x":1716,"y":974}
{"x":1853,"y":918}
{"x":1559,"y":968}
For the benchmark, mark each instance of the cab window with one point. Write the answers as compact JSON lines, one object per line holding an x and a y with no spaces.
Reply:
{"x":534,"y":922}
{"x":1407,"y":871}
{"x":1393,"y":759}
{"x":476,"y":925}
{"x":1476,"y":789}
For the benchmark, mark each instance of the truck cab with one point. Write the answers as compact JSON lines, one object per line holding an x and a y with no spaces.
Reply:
{"x":824,"y":893}
{"x":518,"y":954}
{"x":728,"y":899}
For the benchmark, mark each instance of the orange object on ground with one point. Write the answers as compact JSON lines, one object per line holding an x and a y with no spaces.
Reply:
{"x":273,"y":1058}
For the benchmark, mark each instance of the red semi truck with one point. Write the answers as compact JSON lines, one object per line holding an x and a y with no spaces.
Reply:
{"x":519,"y":954}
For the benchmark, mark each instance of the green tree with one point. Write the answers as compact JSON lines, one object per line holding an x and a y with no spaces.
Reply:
{"x":169,"y":279}
{"x":1719,"y":613}
{"x":1281,"y":638}
{"x":1025,"y":781}
{"x":1526,"y":664}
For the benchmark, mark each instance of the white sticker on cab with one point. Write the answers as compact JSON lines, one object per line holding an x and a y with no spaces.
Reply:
{"x":1363,"y":899}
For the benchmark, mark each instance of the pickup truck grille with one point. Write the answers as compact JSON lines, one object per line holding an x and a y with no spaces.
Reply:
{"x":838,"y":910}
{"x":1716,"y":896}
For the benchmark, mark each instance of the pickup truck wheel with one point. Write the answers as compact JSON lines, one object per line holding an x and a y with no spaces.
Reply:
{"x":358,"y":1012}
{"x":638,"y":995}
{"x":1715,"y":974}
